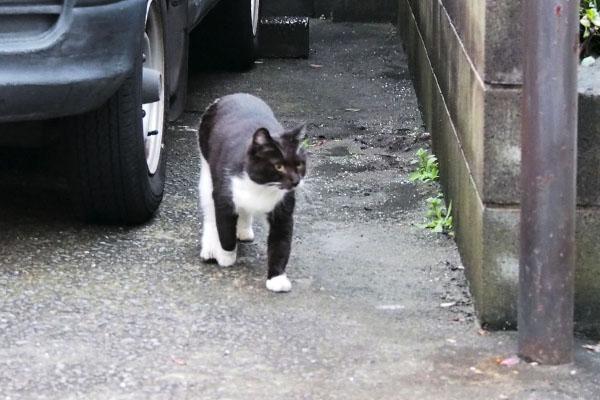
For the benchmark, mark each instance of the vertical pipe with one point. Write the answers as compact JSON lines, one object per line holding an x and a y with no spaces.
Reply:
{"x":548,"y":173}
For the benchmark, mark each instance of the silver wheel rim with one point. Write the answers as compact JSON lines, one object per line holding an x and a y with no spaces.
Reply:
{"x":154,"y":113}
{"x":254,"y":6}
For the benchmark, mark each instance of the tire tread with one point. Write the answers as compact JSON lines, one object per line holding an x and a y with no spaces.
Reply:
{"x":108,"y":171}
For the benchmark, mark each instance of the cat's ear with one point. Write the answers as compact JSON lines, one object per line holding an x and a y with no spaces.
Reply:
{"x":299,"y":133}
{"x":295,"y":135}
{"x":262,"y":137}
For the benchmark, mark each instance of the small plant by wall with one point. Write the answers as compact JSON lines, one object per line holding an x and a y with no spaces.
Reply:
{"x":427,"y":169}
{"x":439,"y":218}
{"x":589,"y":29}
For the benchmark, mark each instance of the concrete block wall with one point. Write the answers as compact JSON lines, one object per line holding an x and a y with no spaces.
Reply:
{"x":466,"y":62}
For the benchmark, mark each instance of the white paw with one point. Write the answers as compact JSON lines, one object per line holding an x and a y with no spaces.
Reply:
{"x":206,"y":254}
{"x":226,"y":258}
{"x":209,"y":252}
{"x":245,"y":234}
{"x":210,"y":246}
{"x":279,"y":283}
{"x":211,"y":249}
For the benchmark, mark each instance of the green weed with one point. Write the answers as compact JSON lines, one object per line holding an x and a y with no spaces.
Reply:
{"x":589,"y":28}
{"x":427,"y":169}
{"x":440,"y":218}
{"x":306,"y":143}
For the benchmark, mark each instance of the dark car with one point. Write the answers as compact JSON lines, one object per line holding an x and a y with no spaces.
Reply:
{"x":113,"y":72}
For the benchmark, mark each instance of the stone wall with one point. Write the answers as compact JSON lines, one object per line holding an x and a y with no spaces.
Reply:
{"x":466,"y":63}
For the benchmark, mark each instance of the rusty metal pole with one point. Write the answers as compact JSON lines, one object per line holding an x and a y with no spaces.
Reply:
{"x":548,"y":173}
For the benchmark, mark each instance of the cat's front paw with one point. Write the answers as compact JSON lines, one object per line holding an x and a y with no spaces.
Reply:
{"x":226,"y":258}
{"x":215,"y":252}
{"x":279,"y":283}
{"x":207,"y":253}
{"x":245,"y":234}
{"x":210,"y":244}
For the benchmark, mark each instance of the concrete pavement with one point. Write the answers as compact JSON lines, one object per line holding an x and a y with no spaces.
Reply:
{"x":96,"y":312}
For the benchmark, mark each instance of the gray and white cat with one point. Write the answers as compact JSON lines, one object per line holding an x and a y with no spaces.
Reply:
{"x":251,"y":167}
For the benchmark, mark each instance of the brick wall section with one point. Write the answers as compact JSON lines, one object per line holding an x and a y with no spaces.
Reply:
{"x":460,"y":69}
{"x":466,"y":62}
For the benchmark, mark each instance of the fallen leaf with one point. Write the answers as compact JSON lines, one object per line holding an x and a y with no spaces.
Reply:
{"x":178,"y":361}
{"x":446,"y":305}
{"x":476,"y":371}
{"x":316,"y":65}
{"x":320,"y":143}
{"x":452,"y":341}
{"x":510,"y":361}
{"x":482,"y":332}
{"x":592,"y":347}
{"x":352,"y":109}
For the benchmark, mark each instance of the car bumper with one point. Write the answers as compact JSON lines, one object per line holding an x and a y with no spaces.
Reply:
{"x":65,"y":57}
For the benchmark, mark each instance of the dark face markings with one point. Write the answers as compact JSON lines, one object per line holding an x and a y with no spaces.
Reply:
{"x":276,"y":161}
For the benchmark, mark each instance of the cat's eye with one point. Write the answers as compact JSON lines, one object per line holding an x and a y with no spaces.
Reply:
{"x":279,"y":167}
{"x":300,"y":165}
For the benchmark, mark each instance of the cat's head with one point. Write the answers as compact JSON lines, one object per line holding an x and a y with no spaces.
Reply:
{"x":278,"y":161}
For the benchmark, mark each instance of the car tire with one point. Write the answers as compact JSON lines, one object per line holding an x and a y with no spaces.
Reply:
{"x":117,"y":159}
{"x":228,"y":36}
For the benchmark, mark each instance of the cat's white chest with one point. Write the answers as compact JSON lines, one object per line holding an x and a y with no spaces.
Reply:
{"x":253,"y":198}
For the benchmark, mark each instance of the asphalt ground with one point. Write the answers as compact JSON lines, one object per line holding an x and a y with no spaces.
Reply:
{"x":379,"y":309}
